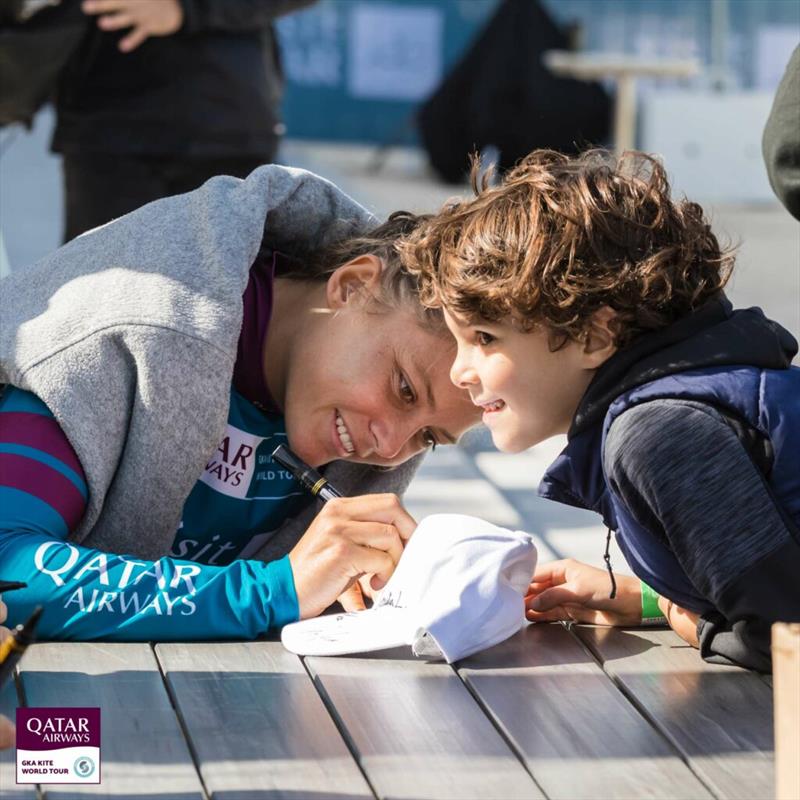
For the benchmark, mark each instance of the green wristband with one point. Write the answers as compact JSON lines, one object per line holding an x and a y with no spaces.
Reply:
{"x":650,"y":609}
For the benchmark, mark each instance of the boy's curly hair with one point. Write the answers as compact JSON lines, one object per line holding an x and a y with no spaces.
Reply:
{"x":562,"y":236}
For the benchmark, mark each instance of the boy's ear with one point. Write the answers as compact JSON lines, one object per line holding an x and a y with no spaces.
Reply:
{"x":354,"y":281}
{"x":598,"y":346}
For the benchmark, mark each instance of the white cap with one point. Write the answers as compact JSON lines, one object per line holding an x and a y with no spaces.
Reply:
{"x":459,"y":588}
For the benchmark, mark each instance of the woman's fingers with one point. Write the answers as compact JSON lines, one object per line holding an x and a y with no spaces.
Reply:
{"x":368,"y":590}
{"x":368,"y":559}
{"x":352,"y":599}
{"x":381,"y":536}
{"x":385,"y":508}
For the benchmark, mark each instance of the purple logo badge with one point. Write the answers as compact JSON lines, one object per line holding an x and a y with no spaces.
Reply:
{"x":58,"y":745}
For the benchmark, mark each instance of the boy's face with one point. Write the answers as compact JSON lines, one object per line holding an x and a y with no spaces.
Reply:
{"x":528,"y":392}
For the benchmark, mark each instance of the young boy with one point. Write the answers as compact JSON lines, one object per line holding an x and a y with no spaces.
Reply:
{"x":586,"y":301}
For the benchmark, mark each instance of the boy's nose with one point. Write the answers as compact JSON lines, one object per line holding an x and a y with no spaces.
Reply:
{"x":462,"y":374}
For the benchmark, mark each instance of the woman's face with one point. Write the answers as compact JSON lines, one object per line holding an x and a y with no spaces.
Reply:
{"x":371,"y":386}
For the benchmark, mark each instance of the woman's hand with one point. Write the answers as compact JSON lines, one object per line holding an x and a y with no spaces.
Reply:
{"x":6,"y":726}
{"x":355,"y":598}
{"x":351,"y":537}
{"x":570,"y":590}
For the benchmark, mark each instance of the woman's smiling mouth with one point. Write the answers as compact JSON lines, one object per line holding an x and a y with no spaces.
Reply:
{"x":343,"y":438}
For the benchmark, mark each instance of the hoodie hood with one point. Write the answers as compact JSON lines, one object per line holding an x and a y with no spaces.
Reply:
{"x":715,"y":335}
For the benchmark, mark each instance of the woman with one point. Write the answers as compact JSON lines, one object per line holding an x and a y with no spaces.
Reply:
{"x":154,"y":363}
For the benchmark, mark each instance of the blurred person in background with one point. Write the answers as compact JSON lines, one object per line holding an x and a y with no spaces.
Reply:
{"x":162,"y":95}
{"x":781,"y":142}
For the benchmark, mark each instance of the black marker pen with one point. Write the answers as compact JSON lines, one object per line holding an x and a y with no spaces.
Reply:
{"x":14,"y":647}
{"x":9,"y":586}
{"x":309,"y":478}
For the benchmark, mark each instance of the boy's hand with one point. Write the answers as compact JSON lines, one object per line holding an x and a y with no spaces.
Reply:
{"x":145,"y":17}
{"x":682,"y":621}
{"x":570,"y":590}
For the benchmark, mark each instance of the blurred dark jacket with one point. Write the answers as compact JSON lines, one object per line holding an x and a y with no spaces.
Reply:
{"x":781,"y":143}
{"x":211,"y":90}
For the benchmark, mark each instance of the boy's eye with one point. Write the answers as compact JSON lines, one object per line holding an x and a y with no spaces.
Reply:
{"x":429,"y":439}
{"x":483,"y":338}
{"x":406,"y":392}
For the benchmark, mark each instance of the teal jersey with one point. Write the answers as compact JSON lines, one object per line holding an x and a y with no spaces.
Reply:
{"x":207,"y":587}
{"x":242,"y":497}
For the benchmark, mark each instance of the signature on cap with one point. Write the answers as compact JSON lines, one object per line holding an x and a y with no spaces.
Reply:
{"x":390,"y":599}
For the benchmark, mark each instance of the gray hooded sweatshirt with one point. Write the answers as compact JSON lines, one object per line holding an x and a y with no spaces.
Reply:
{"x":129,"y":335}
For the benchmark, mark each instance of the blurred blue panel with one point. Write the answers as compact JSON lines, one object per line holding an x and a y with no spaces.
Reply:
{"x":357,"y":69}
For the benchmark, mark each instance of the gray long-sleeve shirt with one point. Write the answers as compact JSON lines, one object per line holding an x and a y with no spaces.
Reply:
{"x":683,"y":472}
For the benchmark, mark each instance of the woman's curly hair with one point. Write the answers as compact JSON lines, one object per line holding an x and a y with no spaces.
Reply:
{"x":561,"y":237}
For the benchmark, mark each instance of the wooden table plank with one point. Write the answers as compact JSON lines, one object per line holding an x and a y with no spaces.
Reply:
{"x":8,"y":762}
{"x":577,"y":733}
{"x":720,"y":718}
{"x":143,"y":750}
{"x":256,"y":723}
{"x":416,"y":731}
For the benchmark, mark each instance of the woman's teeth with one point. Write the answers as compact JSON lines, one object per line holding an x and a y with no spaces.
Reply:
{"x":344,"y":436}
{"x":496,"y":406}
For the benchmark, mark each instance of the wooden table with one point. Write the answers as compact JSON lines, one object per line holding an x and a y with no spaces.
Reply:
{"x":624,"y":70}
{"x":552,"y":712}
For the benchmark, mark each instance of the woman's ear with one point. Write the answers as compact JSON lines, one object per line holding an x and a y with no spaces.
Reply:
{"x":356,"y":280}
{"x":599,"y":346}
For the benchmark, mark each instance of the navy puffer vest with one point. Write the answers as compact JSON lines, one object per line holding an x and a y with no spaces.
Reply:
{"x":767,"y":400}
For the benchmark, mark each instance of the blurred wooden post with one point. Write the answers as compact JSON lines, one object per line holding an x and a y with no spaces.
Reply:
{"x":786,"y":684}
{"x":624,"y":70}
{"x":625,"y":113}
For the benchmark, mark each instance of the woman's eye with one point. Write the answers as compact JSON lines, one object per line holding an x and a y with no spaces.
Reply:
{"x":429,"y":439}
{"x":406,"y":392}
{"x":483,"y":338}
